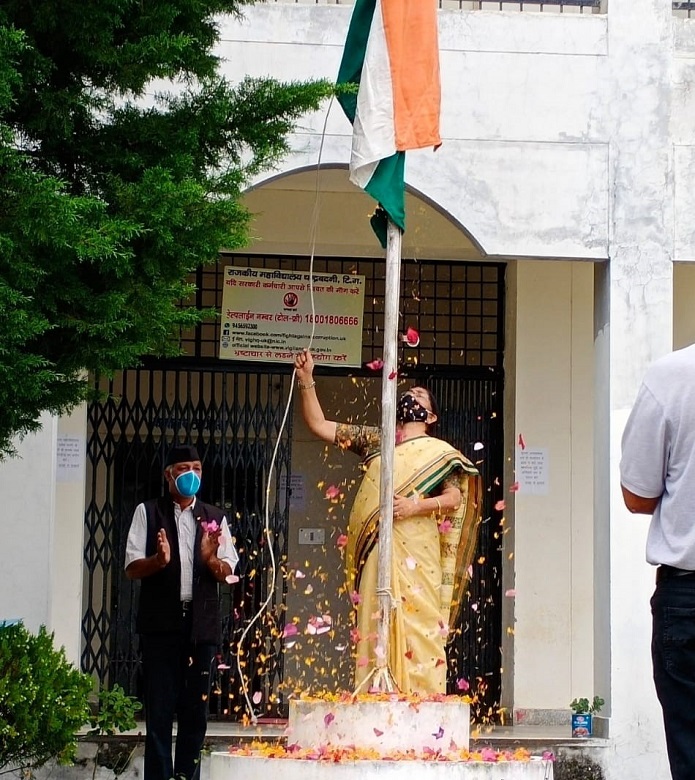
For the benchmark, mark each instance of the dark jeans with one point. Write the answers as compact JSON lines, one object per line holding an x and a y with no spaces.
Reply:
{"x":176,"y":676}
{"x":673,"y":656}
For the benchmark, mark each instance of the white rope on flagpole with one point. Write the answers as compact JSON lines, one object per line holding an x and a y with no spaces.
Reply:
{"x":266,"y":509}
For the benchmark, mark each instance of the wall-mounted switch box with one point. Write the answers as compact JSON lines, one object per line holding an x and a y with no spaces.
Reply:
{"x":312,"y":536}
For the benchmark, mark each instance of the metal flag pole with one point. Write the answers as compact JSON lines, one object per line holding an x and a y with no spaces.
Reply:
{"x":382,"y":677}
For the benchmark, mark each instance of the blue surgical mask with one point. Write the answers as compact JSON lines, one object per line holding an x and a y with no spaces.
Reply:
{"x":187,"y":484}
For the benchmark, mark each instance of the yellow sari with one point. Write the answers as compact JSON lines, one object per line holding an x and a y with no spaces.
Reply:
{"x":430,"y":561}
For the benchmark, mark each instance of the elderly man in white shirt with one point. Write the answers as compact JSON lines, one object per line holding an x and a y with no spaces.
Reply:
{"x":181,"y":549}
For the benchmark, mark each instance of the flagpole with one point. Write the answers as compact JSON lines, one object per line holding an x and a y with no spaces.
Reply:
{"x":383,"y":679}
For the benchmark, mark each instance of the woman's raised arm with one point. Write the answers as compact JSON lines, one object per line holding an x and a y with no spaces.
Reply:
{"x":311,"y":408}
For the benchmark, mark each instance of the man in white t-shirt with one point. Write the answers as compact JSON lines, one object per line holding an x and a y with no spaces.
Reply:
{"x":657,"y":474}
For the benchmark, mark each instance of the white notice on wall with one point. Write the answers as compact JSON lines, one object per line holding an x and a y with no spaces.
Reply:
{"x":70,"y":458}
{"x":532,"y":471}
{"x":297,"y":492}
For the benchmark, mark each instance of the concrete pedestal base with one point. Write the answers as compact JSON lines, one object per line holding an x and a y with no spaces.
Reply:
{"x":224,"y":766}
{"x":384,"y":726}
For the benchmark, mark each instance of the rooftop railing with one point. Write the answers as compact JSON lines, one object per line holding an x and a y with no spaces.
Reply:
{"x":554,"y":6}
{"x":686,"y":10}
{"x":680,"y":8}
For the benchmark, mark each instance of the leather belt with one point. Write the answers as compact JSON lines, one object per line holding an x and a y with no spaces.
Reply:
{"x":665,"y":572}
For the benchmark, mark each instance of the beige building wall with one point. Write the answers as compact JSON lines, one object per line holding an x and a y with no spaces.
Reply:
{"x":683,"y":304}
{"x":550,"y":392}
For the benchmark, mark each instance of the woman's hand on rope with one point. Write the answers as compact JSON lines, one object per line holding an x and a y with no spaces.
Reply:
{"x":304,"y":366}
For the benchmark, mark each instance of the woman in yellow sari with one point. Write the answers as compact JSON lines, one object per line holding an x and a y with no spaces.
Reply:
{"x":436,"y":513}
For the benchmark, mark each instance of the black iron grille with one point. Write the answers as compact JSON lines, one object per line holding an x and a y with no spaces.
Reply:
{"x":232,"y":412}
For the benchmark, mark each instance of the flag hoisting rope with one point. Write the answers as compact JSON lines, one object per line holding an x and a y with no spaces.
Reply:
{"x":392,"y":58}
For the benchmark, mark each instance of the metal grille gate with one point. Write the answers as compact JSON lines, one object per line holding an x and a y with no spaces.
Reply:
{"x":233,"y":412}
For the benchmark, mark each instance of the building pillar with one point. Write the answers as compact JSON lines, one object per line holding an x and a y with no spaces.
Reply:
{"x":633,"y":328}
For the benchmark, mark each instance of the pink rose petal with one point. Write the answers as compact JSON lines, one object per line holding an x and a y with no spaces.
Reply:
{"x":478,"y":446}
{"x":378,"y":732}
{"x":290,"y":630}
{"x":332,"y":492}
{"x":412,"y":337}
{"x":411,"y":563}
{"x":522,"y":443}
{"x":439,"y":733}
{"x":462,"y":685}
{"x":341,"y":541}
{"x":393,"y":374}
{"x":376,"y":365}
{"x":500,"y":505}
{"x":355,"y":598}
{"x":257,"y":697}
{"x":445,"y":526}
{"x":514,"y":487}
{"x":230,"y":579}
{"x":329,"y":718}
{"x":510,"y":593}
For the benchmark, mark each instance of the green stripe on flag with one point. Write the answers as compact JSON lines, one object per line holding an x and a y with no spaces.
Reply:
{"x":350,"y":71}
{"x":387,"y":186}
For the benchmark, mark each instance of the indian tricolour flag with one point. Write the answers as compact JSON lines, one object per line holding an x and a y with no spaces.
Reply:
{"x":392,"y":55}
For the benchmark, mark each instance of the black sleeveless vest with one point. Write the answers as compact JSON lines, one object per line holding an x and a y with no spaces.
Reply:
{"x":160,"y":594}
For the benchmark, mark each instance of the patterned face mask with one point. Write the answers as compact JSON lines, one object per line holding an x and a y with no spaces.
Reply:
{"x":409,"y":409}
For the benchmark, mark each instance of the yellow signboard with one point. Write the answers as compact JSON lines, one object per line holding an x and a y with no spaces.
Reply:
{"x":267,"y":315}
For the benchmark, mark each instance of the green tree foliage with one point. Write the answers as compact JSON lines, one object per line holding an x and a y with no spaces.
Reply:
{"x":43,"y":699}
{"x":110,"y":195}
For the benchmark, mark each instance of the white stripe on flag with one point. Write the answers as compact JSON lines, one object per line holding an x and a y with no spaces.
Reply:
{"x":374,"y":133}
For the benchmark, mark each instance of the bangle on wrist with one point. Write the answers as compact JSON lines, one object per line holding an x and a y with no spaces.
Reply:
{"x":307,"y":386}
{"x":439,"y":506}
